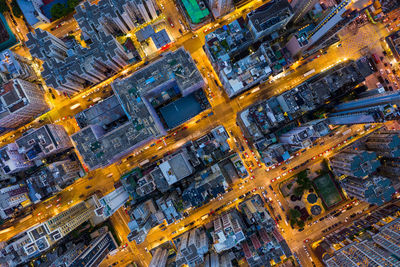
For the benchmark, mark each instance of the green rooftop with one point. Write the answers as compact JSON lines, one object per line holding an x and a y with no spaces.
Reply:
{"x":194,"y":11}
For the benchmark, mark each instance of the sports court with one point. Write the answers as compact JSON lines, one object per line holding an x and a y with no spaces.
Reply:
{"x":327,"y":190}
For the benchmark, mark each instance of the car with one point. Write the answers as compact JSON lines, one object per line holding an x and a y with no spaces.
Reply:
{"x":89,"y":186}
{"x":252,"y":177}
{"x":247,"y":155}
{"x":301,"y":229}
{"x":174,"y":232}
{"x":250,"y":169}
{"x":170,"y":22}
{"x":283,"y":168}
{"x":270,"y":187}
{"x":125,"y":245}
{"x":259,"y":165}
{"x":279,"y":217}
{"x":254,"y":190}
{"x":306,"y":240}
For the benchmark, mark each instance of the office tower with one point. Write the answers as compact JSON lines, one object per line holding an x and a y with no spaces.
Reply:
{"x":44,"y":141}
{"x":12,"y":161}
{"x":301,"y":8}
{"x":380,"y":250}
{"x":378,"y":108}
{"x":13,"y":66}
{"x":20,"y":102}
{"x":269,"y":18}
{"x":220,"y":7}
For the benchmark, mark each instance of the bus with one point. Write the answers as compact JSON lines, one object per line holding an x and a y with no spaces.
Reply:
{"x":308,"y":73}
{"x":144,"y":162}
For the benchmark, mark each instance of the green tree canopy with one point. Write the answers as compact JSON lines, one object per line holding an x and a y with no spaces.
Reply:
{"x":294,"y":214}
{"x":72,"y":4}
{"x":58,"y":11}
{"x":300,"y":223}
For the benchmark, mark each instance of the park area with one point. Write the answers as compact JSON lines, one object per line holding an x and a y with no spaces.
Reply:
{"x":327,"y":189}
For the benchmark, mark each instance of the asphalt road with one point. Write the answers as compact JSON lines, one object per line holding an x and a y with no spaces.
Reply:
{"x":225,"y":111}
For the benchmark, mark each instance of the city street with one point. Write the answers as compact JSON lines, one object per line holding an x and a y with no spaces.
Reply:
{"x":224,"y":110}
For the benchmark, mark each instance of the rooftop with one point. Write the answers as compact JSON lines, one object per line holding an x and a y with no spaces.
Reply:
{"x":116,"y":126}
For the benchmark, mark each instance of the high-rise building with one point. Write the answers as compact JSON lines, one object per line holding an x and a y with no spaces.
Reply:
{"x":269,"y":18}
{"x":357,"y":172}
{"x":66,"y":221}
{"x":311,"y":39}
{"x":44,"y":141}
{"x":69,"y":67}
{"x":300,"y":8}
{"x":11,"y":197}
{"x":384,"y":144}
{"x":381,"y":250}
{"x":20,"y":102}
{"x":11,"y":161}
{"x":115,"y":127}
{"x":159,"y":258}
{"x":13,"y":66}
{"x":220,"y":7}
{"x":372,"y":189}
{"x":96,"y":251}
{"x":378,"y":108}
{"x":33,"y":12}
{"x":355,"y":163}
{"x":193,"y":246}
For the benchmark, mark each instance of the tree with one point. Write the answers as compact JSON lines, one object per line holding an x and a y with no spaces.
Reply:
{"x":294,"y":214}
{"x":58,"y":11}
{"x":300,"y":223}
{"x":72,"y":4}
{"x":3,"y":6}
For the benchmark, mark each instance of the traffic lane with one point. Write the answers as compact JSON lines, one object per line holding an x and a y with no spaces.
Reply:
{"x":228,"y":197}
{"x":114,"y":77}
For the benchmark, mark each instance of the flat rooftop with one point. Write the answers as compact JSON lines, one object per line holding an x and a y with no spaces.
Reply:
{"x":116,"y":126}
{"x":173,"y":67}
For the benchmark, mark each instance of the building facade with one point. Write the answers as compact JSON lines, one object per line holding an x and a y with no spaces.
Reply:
{"x":20,"y":102}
